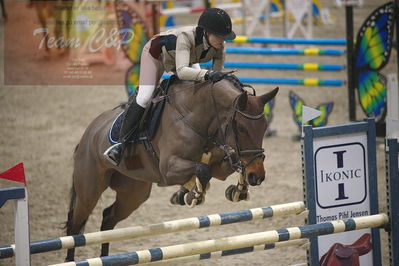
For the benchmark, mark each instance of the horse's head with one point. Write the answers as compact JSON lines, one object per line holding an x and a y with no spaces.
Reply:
{"x":245,"y":132}
{"x":235,"y":122}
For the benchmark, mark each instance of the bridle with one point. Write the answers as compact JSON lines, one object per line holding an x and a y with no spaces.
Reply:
{"x":234,"y":155}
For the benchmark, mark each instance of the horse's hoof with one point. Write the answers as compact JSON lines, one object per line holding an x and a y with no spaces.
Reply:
{"x":244,"y":196}
{"x":229,"y":192}
{"x":178,"y":197}
{"x":233,"y":194}
{"x":192,"y":199}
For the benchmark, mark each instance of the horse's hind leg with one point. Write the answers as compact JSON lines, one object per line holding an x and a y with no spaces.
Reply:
{"x":88,"y":185}
{"x":130,"y":194}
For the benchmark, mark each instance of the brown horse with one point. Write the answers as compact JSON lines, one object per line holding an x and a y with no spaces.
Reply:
{"x":219,"y":119}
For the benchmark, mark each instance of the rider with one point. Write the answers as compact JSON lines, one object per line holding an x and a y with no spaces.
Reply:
{"x":179,"y":51}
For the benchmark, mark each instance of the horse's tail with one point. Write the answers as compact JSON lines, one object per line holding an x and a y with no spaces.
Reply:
{"x":71,"y":202}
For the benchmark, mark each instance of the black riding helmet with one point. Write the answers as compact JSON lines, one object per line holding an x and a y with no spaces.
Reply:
{"x":218,"y":22}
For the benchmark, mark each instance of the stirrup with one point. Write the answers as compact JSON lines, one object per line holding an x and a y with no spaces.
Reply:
{"x":107,"y":156}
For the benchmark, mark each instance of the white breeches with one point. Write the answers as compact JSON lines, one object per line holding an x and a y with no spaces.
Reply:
{"x":151,"y":71}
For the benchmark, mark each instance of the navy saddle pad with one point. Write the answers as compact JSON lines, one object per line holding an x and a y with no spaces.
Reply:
{"x":152,"y":118}
{"x":113,"y":134}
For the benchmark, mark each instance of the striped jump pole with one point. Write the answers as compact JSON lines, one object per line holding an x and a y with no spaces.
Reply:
{"x":287,"y":81}
{"x":229,"y":252}
{"x":293,"y":81}
{"x":280,"y":66}
{"x":291,"y":41}
{"x":235,"y":242}
{"x":284,"y":51}
{"x":158,"y":229}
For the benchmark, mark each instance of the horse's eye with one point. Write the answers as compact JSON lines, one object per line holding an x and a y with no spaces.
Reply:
{"x":241,"y":129}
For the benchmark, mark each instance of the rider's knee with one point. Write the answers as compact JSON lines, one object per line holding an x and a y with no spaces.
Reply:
{"x":144,"y":95}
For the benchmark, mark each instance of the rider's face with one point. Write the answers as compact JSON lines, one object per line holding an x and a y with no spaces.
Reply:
{"x":215,"y":41}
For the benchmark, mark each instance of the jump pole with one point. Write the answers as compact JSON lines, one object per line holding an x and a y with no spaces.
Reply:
{"x":158,"y":228}
{"x":280,"y":66}
{"x":284,"y":51}
{"x":241,"y":241}
{"x":218,"y":254}
{"x":287,"y":81}
{"x":302,"y":41}
{"x":293,"y":81}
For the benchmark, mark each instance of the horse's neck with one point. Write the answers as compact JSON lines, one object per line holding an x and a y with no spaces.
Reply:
{"x":203,"y":99}
{"x":203,"y":104}
{"x":225,"y":93}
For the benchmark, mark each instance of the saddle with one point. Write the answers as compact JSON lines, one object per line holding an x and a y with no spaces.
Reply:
{"x":150,"y":121}
{"x":347,"y":255}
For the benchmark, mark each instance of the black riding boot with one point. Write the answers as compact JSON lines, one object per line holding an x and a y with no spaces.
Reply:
{"x":132,"y":116}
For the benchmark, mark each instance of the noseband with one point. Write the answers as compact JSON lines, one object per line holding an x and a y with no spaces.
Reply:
{"x":234,"y":155}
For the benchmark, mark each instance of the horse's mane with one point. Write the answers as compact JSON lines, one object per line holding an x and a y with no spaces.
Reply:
{"x":237,"y":83}
{"x":230,"y":77}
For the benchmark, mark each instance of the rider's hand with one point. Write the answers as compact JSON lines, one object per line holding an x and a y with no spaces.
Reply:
{"x":214,"y":75}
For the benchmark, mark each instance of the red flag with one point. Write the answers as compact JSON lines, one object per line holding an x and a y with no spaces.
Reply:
{"x":15,"y":173}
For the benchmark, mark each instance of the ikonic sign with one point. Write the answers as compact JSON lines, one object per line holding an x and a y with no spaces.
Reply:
{"x":341,"y":175}
{"x":341,"y":186}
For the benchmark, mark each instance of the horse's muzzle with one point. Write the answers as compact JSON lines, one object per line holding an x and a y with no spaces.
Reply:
{"x":255,"y":180}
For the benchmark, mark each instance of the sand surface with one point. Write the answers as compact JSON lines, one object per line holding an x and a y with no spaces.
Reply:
{"x":40,"y":126}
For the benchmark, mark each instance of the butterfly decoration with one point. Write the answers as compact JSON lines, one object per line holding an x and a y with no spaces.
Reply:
{"x":268,"y":110}
{"x":167,"y":21}
{"x":296,"y":104}
{"x":372,"y":52}
{"x":132,"y":79}
{"x":276,"y":6}
{"x":130,"y":21}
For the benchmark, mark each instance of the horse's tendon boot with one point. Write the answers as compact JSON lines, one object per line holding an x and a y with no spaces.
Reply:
{"x":203,"y":173}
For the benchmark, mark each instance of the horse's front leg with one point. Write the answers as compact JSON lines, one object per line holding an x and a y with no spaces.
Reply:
{"x":179,"y":168}
{"x":238,"y":192}
{"x":196,"y":195}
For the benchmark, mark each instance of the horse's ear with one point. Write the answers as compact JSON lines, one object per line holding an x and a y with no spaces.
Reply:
{"x":265,"y":98}
{"x":242,"y":101}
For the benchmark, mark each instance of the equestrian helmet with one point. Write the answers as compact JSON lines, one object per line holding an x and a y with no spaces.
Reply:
{"x":218,"y":22}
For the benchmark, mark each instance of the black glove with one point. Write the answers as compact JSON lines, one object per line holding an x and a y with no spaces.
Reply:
{"x":214,"y":75}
